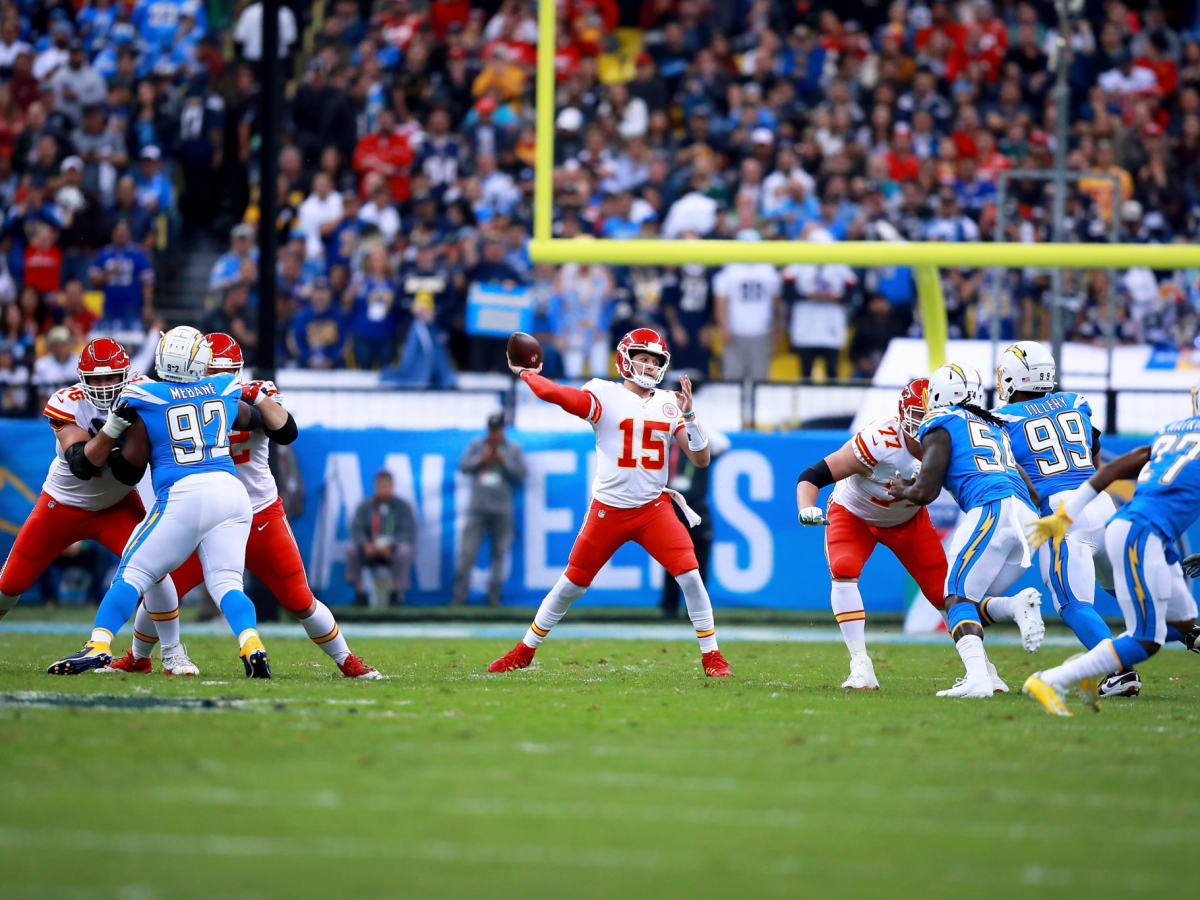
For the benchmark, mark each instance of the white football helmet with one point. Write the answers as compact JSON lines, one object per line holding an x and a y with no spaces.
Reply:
{"x":954,"y":385}
{"x":1025,"y":366}
{"x":182,"y":355}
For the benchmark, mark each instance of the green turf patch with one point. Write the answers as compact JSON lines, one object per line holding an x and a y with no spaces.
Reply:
{"x":605,"y":769}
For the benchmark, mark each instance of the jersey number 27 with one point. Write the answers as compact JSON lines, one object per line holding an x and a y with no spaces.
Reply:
{"x":183,"y":426}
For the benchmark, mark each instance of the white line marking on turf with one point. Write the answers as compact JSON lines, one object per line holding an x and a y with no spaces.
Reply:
{"x":583,"y":631}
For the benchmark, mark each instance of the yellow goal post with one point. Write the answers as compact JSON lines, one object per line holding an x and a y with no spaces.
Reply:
{"x":923,"y":258}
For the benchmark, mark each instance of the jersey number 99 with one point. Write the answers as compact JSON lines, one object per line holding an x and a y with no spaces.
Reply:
{"x":1068,"y":442}
{"x":183,"y":427}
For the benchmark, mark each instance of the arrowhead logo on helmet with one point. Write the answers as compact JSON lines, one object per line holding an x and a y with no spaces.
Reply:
{"x":104,"y":370}
{"x":226,"y":354}
{"x":912,"y":406}
{"x":640,"y":372}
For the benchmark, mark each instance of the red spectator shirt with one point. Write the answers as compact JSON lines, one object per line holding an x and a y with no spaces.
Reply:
{"x":903,"y":168}
{"x":393,"y":149}
{"x":399,"y":31}
{"x":444,"y":13}
{"x":43,"y":268}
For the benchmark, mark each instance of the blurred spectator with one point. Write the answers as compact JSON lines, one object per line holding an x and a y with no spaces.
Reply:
{"x":228,"y":269}
{"x":375,"y":312}
{"x":247,"y":34}
{"x":231,"y":318}
{"x":14,"y":382}
{"x":319,"y":214}
{"x":383,"y":534}
{"x":57,"y":368}
{"x":496,"y":466}
{"x":123,"y":271}
{"x":817,"y":327}
{"x":318,"y":334}
{"x":874,"y":329}
{"x":747,"y":299}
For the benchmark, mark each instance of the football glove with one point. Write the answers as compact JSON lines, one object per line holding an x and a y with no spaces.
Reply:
{"x":255,"y":392}
{"x":120,"y":417}
{"x":1191,"y":565}
{"x":813,"y":515}
{"x":1051,"y":528}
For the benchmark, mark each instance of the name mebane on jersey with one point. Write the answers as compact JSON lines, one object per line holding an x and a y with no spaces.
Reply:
{"x":193,"y":390}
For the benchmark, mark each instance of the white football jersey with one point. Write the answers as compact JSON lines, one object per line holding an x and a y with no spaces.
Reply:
{"x":70,"y":406}
{"x":250,"y":451}
{"x":879,"y":446}
{"x":633,"y":442}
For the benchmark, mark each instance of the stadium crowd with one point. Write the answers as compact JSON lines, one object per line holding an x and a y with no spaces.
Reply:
{"x":406,"y":175}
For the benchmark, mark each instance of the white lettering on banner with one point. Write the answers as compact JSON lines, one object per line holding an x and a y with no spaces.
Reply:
{"x":427,"y":511}
{"x":540,"y":520}
{"x":340,"y":495}
{"x":610,"y":576}
{"x":753,"y":530}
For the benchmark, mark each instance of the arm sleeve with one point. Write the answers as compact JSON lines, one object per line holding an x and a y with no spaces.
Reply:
{"x":578,"y":403}
{"x":285,"y":433}
{"x":123,"y":470}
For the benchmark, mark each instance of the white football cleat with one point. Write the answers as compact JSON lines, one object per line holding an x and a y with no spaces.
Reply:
{"x":998,"y":685}
{"x":1122,"y":684}
{"x":1027,"y":613}
{"x":175,"y":661}
{"x":975,"y":689}
{"x":862,"y":675}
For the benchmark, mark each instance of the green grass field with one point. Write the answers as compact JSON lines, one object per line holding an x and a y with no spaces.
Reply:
{"x":607,"y":769}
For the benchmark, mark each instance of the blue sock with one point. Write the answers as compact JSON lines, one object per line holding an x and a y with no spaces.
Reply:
{"x":959,"y":613}
{"x":1129,"y":650}
{"x":1083,"y":619}
{"x":1174,"y":634}
{"x":119,"y":603}
{"x":239,"y":611}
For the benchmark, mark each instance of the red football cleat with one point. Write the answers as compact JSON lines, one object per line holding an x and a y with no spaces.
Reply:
{"x":517,"y":658}
{"x":129,"y":664}
{"x":353,"y":667}
{"x":715,"y":665}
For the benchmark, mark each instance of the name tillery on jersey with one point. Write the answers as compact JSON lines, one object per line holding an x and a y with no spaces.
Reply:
{"x":192,"y":391}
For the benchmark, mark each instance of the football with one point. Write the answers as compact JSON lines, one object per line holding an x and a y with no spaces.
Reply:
{"x":524,"y":350}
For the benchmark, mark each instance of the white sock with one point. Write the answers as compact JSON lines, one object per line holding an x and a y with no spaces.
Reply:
{"x":162,"y":603}
{"x":996,"y":609}
{"x":851,"y":617}
{"x":699,"y":608}
{"x":246,"y":635}
{"x":322,"y":629}
{"x":1100,"y":660}
{"x":100,"y":636}
{"x":974,"y":657}
{"x":145,"y":633}
{"x":7,"y":602}
{"x":553,"y":608}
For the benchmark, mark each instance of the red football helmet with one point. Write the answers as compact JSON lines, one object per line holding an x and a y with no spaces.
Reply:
{"x":103,"y":358}
{"x":912,"y":406}
{"x":643,"y":340}
{"x":226,"y":353}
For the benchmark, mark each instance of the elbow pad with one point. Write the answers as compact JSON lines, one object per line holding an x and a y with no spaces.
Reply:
{"x":818,"y":473}
{"x":81,"y":467}
{"x":123,"y":470}
{"x":285,"y":433}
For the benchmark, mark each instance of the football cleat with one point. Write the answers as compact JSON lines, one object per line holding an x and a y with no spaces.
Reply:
{"x":971,"y":688}
{"x":1027,"y":613}
{"x":1045,"y":694}
{"x":518,"y":657}
{"x":1191,"y":640}
{"x":1122,"y":684}
{"x":353,"y":667}
{"x":175,"y":661}
{"x":94,"y":655}
{"x":254,"y":658}
{"x":862,"y":675}
{"x":129,"y":664}
{"x":998,"y":685}
{"x":715,"y":665}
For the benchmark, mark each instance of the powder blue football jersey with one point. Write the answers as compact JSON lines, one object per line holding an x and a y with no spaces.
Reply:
{"x":1167,"y":497}
{"x":981,"y":467}
{"x":1051,"y":439}
{"x":187,"y":425}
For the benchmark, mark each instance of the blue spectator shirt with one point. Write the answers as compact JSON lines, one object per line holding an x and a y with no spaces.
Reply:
{"x":155,"y":188}
{"x":127,"y":270}
{"x":375,"y":309}
{"x":319,"y":336}
{"x":158,"y":20}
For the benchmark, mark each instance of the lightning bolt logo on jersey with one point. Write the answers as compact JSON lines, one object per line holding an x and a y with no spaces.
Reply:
{"x":1051,"y":440}
{"x":1167,"y":497}
{"x":982,"y":468}
{"x":187,"y":424}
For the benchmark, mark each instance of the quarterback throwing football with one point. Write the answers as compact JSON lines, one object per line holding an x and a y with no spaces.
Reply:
{"x":634,"y":422}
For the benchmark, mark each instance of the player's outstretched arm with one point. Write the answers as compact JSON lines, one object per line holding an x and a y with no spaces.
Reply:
{"x":277,"y":422}
{"x":1055,"y":526}
{"x":128,"y":462}
{"x":935,"y":460}
{"x":120,"y":419}
{"x":573,"y":400}
{"x":842,"y":463}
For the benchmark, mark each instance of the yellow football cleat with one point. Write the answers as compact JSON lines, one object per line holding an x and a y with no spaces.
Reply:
{"x":1089,"y":689}
{"x":94,"y":655}
{"x":254,"y":658}
{"x":1049,"y":528}
{"x":1046,"y":695}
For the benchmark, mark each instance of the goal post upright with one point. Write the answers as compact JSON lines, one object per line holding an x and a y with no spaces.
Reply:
{"x":925,"y":258}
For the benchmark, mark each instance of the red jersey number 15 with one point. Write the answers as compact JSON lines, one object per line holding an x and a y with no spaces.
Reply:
{"x":654,"y":443}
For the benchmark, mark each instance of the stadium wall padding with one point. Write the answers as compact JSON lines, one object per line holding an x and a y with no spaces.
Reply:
{"x":761,"y":557}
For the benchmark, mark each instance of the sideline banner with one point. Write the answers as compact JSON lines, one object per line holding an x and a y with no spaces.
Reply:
{"x":761,"y":557}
